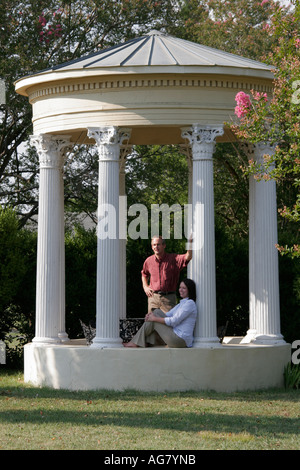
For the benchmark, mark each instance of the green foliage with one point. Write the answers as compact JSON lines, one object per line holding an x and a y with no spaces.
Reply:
{"x":232,"y":284}
{"x":276,"y":120}
{"x":12,"y":263}
{"x":235,"y":26}
{"x":17,"y":281}
{"x":156,"y":175}
{"x":39,"y":34}
{"x":292,"y":376}
{"x":289,"y":283}
{"x":231,"y":190}
{"x":81,"y":261}
{"x":19,"y":331}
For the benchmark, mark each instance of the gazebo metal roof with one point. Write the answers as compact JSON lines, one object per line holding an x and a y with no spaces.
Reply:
{"x":156,"y":48}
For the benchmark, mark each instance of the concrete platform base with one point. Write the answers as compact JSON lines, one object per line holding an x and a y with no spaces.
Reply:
{"x":226,"y":368}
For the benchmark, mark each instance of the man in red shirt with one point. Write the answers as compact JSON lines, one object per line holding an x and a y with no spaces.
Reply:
{"x":160,"y":275}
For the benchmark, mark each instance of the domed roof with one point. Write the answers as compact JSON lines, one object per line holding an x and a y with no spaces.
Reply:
{"x":159,"y":49}
{"x":153,"y":53}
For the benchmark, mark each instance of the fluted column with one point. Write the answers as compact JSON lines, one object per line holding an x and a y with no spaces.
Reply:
{"x":264,"y":305}
{"x":202,"y":271}
{"x":108,"y":141}
{"x":188,"y":222}
{"x":123,"y":230}
{"x":50,"y":282}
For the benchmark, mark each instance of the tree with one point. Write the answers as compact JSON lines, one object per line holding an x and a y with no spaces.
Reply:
{"x":278,"y":120}
{"x":39,"y":34}
{"x":238,"y":27}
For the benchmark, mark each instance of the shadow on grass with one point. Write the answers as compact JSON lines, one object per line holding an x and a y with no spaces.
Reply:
{"x":189,"y":422}
{"x":23,"y":390}
{"x":203,"y":416}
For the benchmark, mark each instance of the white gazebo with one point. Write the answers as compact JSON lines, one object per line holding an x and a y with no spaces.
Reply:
{"x":155,"y":89}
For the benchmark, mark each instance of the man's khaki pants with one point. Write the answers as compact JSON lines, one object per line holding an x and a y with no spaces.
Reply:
{"x":163,"y":302}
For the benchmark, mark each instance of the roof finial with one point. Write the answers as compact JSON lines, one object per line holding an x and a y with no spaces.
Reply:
{"x":154,"y":32}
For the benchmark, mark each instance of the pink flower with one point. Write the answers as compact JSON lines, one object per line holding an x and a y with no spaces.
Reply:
{"x":243,"y":104}
{"x":42,"y":20}
{"x":257,"y":96}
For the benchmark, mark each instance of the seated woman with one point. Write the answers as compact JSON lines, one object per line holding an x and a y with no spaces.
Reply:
{"x":174,"y":328}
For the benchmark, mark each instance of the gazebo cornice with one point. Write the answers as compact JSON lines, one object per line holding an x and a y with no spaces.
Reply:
{"x":23,"y":85}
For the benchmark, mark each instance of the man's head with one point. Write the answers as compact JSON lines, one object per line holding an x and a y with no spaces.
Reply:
{"x":158,"y":245}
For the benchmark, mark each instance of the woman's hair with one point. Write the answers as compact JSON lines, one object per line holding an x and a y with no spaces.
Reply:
{"x":191,"y":286}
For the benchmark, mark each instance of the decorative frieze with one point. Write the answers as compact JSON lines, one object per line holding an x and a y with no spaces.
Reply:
{"x":103,"y":85}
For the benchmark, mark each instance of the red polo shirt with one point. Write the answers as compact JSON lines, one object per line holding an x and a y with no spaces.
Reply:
{"x":164,"y":272}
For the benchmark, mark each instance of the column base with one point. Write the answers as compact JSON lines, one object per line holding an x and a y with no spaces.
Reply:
{"x":101,"y":343}
{"x":63,"y":337}
{"x":268,"y":339}
{"x":46,"y":340}
{"x":213,"y":342}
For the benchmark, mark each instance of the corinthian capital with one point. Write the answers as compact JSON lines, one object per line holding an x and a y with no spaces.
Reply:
{"x":202,"y":134}
{"x":202,"y":139}
{"x":109,"y":140}
{"x":51,"y":149}
{"x":261,"y":152}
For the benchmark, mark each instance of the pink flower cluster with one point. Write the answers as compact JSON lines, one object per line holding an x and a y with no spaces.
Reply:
{"x":258,"y":96}
{"x":243,"y":104}
{"x":49,"y":30}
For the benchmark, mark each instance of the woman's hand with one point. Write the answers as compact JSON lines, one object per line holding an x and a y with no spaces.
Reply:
{"x":151,"y":317}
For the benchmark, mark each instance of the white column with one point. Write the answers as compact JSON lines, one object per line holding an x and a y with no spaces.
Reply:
{"x":202,"y":271}
{"x":187,"y":151}
{"x":50,"y":282}
{"x":123,"y":230}
{"x":108,"y":140}
{"x":264,"y":305}
{"x":249,"y":151}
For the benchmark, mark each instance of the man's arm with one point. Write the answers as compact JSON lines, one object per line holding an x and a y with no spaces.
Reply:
{"x":147,"y":289}
{"x":189,"y":253}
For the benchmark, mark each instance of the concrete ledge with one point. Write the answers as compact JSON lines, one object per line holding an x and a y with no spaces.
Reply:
{"x":225,"y":368}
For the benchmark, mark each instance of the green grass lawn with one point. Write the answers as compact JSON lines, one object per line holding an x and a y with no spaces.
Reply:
{"x":45,"y":419}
